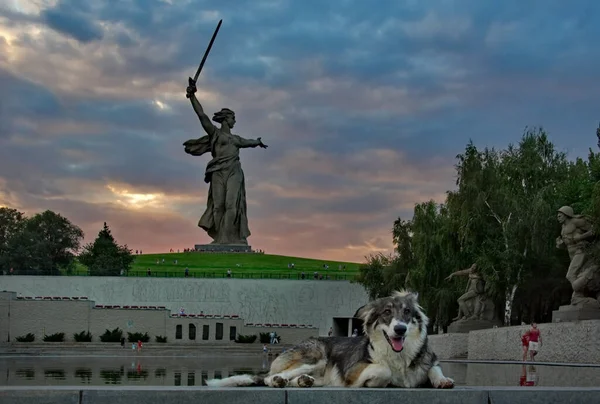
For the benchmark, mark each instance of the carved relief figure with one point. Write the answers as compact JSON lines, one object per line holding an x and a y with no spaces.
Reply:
{"x":225,"y":218}
{"x":584,"y":275}
{"x":474,"y":303}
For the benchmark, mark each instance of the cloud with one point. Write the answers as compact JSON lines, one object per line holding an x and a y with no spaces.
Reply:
{"x":74,"y":25}
{"x":363,"y":108}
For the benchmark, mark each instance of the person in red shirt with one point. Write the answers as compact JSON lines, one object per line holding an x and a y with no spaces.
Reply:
{"x":535,"y":340}
{"x":525,"y":344}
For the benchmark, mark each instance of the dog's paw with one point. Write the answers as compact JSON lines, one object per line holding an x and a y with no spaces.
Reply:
{"x":445,"y":383}
{"x":278,"y":382}
{"x":306,"y":381}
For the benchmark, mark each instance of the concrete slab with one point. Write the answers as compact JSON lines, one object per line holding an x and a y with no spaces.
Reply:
{"x":204,"y":395}
{"x":540,"y":395}
{"x":386,"y":396}
{"x":45,"y":396}
{"x":184,"y":396}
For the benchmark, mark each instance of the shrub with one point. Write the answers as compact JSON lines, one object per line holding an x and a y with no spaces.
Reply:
{"x":112,"y":336}
{"x":135,"y":336}
{"x":245,"y":339}
{"x":57,"y":337}
{"x":83,"y":336}
{"x":160,"y":338}
{"x":26,"y":338}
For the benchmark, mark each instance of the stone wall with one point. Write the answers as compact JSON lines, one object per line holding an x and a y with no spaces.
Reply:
{"x":20,"y":316}
{"x":562,"y":342}
{"x":272,"y":301}
{"x":575,"y":342}
{"x":450,"y":346}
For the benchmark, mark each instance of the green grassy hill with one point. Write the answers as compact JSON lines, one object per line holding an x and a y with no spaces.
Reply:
{"x":242,"y":265}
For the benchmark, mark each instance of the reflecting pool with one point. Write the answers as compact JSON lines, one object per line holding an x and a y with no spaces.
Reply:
{"x":146,"y":370}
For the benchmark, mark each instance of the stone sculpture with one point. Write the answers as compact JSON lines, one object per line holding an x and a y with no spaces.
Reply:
{"x":474,"y":303}
{"x":225,"y":218}
{"x":576,"y":235}
{"x":475,"y":309}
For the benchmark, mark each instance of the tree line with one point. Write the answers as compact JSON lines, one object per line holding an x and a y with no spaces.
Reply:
{"x":501,"y":216}
{"x":47,"y":243}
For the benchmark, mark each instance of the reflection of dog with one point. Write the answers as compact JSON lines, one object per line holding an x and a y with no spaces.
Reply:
{"x":394,"y":351}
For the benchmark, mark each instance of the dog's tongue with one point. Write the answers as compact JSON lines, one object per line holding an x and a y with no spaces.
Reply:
{"x":397,"y":343}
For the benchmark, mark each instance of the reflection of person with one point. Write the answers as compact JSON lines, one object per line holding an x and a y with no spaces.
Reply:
{"x":535,"y":340}
{"x":525,"y":344}
{"x":225,"y":218}
{"x":528,"y":376}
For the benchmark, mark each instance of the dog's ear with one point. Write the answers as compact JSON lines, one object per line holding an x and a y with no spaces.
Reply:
{"x":364,"y":312}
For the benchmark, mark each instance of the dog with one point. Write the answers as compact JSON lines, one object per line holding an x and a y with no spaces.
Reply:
{"x":393,"y":351}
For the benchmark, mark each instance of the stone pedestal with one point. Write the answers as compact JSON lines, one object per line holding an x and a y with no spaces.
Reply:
{"x":566,"y":314}
{"x":464,"y":326}
{"x":223,"y":248}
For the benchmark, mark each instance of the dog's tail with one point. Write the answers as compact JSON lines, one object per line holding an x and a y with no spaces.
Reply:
{"x":237,"y":381}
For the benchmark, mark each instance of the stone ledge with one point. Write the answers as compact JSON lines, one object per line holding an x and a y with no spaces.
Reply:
{"x":201,"y":395}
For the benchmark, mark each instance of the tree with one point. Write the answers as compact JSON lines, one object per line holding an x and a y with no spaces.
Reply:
{"x":382,"y":274}
{"x":104,"y":257}
{"x":45,"y":244}
{"x":501,"y":216}
{"x":11,"y":222}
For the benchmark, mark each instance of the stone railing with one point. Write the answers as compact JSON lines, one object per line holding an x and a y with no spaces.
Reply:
{"x":163,"y":395}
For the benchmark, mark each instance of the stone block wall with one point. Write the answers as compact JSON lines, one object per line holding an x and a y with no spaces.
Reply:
{"x":48,"y":315}
{"x":562,"y":342}
{"x":274,"y":301}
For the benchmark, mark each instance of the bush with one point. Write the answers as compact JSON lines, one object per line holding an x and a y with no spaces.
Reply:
{"x":245,"y":339}
{"x":26,"y":338}
{"x":57,"y":337}
{"x":83,"y":336}
{"x":160,"y":338}
{"x":137,"y":336}
{"x":112,"y":336}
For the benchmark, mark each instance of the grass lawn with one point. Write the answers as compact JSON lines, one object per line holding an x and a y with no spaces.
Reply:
{"x":215,"y":265}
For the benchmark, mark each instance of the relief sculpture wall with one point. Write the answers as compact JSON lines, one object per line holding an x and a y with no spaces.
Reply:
{"x":313,"y":302}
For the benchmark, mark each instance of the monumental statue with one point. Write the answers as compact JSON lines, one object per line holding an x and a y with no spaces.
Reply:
{"x":576,"y":235}
{"x":475,"y":309}
{"x":225,"y":219}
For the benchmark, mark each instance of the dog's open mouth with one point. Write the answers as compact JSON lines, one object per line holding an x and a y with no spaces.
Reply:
{"x":397,"y":344}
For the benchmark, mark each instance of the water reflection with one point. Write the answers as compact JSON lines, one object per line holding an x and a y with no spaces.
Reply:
{"x":84,"y":375}
{"x":528,"y":376}
{"x":193,"y":371}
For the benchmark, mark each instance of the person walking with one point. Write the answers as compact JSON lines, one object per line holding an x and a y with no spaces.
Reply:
{"x":535,"y":340}
{"x":525,"y":344}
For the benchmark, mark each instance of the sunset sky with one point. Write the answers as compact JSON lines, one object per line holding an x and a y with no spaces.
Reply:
{"x":364,"y":106}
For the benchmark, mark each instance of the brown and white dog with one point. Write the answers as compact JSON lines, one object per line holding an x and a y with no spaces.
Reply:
{"x":394,"y":351}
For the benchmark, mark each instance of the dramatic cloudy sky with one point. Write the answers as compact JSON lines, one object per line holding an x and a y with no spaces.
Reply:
{"x":364,"y":106}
